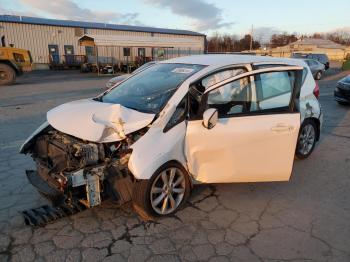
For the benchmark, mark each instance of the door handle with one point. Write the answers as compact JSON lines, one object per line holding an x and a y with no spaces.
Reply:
{"x":282,"y":128}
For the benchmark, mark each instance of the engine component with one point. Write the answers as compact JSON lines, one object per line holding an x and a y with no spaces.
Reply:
{"x":93,"y":191}
{"x":77,"y":174}
{"x":91,"y":179}
{"x":61,"y":152}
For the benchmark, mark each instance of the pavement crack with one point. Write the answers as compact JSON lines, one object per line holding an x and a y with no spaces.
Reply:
{"x":8,"y":251}
{"x":330,"y":247}
{"x":212,"y":193}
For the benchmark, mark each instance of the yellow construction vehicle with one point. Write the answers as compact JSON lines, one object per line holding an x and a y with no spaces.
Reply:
{"x":13,"y":62}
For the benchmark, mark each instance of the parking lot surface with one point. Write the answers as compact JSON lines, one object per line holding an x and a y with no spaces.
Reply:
{"x":305,"y":219}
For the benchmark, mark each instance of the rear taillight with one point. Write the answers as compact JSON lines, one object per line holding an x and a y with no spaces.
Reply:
{"x":317,"y":91}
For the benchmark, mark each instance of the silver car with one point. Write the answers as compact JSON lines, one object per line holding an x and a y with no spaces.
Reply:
{"x":316,"y":68}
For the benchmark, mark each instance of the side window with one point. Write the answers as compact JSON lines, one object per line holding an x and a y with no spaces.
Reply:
{"x":221,"y":76}
{"x":274,"y":89}
{"x":197,"y":89}
{"x":232,"y":98}
{"x":269,"y":91}
{"x":18,"y":57}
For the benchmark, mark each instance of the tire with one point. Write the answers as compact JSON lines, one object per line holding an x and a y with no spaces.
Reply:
{"x":307,"y":139}
{"x":145,"y":202}
{"x":343,"y":103}
{"x":7,"y":75}
{"x":318,"y":75}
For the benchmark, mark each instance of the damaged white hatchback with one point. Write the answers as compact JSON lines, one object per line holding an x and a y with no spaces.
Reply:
{"x":197,"y":119}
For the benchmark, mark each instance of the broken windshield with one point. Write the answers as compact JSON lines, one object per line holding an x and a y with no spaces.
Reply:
{"x":149,"y":90}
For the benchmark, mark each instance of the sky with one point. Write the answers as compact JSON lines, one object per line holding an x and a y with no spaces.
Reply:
{"x":205,"y":16}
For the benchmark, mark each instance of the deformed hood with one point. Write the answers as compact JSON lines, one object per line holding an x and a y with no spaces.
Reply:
{"x":95,"y":121}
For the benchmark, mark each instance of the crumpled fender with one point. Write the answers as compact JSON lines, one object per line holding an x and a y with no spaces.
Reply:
{"x":25,"y":146}
{"x":156,"y":148}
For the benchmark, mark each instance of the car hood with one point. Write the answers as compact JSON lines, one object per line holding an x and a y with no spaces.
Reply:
{"x":96,"y":121}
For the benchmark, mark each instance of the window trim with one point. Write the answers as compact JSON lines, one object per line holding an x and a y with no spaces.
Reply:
{"x":201,"y":108}
{"x":252,"y":73}
{"x":286,"y":92}
{"x":294,"y":99}
{"x":221,"y":69}
{"x":259,"y":65}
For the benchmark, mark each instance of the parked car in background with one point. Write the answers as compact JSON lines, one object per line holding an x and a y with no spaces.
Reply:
{"x":322,"y":58}
{"x":317,"y":68}
{"x":188,"y":120}
{"x":342,"y":91}
{"x":116,"y":80}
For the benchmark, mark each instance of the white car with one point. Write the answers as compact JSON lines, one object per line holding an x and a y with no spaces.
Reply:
{"x":188,"y":120}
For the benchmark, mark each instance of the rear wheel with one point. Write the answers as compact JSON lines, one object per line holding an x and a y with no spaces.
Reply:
{"x":307,"y":139}
{"x":164,"y":193}
{"x":318,"y":75}
{"x":7,"y":74}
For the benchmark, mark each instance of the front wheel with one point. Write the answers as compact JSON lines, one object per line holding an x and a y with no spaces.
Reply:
{"x":164,"y":193}
{"x":306,"y":140}
{"x":7,"y":75}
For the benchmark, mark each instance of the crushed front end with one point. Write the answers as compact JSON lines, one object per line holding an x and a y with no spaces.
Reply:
{"x":75,"y":174}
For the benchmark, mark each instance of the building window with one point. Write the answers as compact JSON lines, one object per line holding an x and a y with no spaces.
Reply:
{"x":161,"y":53}
{"x":126,"y":51}
{"x":68,"y":50}
{"x":89,"y":50}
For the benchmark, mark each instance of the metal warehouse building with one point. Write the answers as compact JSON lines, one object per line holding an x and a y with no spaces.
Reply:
{"x":73,"y":42}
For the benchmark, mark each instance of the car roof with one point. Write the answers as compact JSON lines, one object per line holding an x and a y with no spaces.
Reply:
{"x":310,"y":59}
{"x":228,"y":59}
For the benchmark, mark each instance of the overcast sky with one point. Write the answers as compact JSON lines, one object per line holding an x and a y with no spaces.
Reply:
{"x":206,"y":16}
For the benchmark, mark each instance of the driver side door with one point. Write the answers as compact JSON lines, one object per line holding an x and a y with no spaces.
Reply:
{"x":255,"y":136}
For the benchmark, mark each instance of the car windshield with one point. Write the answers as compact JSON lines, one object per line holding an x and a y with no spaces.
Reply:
{"x":150,"y":90}
{"x":144,"y":66}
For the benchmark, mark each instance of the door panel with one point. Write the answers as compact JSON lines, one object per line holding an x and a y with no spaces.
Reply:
{"x":69,"y":54}
{"x":54,"y":54}
{"x":243,"y":149}
{"x":255,"y":137}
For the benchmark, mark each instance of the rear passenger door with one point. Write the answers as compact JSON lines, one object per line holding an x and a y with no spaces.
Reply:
{"x":255,"y":137}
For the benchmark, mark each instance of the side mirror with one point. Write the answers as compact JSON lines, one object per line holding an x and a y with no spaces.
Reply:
{"x":210,"y":118}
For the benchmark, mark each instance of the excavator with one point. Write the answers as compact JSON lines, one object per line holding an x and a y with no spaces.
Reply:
{"x":13,"y":63}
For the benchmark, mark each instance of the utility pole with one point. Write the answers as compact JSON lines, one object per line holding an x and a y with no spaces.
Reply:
{"x":251,"y":39}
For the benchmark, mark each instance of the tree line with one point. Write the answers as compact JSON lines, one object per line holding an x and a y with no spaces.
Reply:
{"x":232,"y":43}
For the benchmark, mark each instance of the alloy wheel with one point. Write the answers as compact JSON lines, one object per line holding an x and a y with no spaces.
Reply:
{"x":168,"y":190}
{"x":306,"y":139}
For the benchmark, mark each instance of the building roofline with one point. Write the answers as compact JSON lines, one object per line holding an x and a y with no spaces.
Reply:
{"x":93,"y":25}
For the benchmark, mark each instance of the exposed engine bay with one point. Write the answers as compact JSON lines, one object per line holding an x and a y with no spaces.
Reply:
{"x":71,"y":170}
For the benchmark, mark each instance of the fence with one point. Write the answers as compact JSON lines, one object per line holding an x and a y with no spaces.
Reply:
{"x":66,"y":61}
